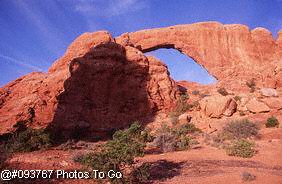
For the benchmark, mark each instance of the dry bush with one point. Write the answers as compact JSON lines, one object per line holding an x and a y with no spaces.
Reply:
{"x":172,"y":139}
{"x":240,"y":129}
{"x":233,"y":138}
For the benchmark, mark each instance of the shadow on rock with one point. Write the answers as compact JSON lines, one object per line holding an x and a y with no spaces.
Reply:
{"x":107,"y":90}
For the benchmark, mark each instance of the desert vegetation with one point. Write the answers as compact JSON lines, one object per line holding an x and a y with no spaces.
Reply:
{"x":118,"y":154}
{"x":236,"y":137}
{"x":241,"y":148}
{"x":240,"y":129}
{"x":272,"y":122}
{"x":28,"y":139}
{"x":177,"y":138}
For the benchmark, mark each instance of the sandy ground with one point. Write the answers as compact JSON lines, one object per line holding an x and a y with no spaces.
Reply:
{"x":205,"y":164}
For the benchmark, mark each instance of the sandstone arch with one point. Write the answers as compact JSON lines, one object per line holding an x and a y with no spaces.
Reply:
{"x":215,"y":46}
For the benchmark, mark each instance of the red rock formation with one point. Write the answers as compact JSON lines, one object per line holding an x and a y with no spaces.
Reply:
{"x":102,"y":83}
{"x":97,"y":86}
{"x":226,"y":51}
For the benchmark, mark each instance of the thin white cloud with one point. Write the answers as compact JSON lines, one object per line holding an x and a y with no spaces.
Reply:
{"x":91,"y":10}
{"x":21,"y":63}
{"x":108,"y":8}
{"x":51,"y":36}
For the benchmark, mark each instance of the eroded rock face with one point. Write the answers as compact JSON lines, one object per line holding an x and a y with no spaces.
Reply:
{"x":97,"y":86}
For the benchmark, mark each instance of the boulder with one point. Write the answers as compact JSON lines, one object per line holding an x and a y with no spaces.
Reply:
{"x":268,"y":92}
{"x":273,"y":103}
{"x":256,"y":106}
{"x":217,"y":106}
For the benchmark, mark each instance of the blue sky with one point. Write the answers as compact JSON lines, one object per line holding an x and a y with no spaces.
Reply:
{"x":34,"y":33}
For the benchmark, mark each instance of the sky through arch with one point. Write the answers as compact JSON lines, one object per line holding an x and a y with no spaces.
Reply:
{"x":182,"y":67}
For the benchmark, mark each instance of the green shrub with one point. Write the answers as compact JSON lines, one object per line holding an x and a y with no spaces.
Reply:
{"x":118,"y":152}
{"x":251,"y":84}
{"x":28,"y":140}
{"x":246,"y":176}
{"x":237,"y":98}
{"x":185,"y":142}
{"x":146,"y":136}
{"x":222,"y":91}
{"x":272,"y":122}
{"x":241,"y":148}
{"x":240,"y":129}
{"x":185,"y":129}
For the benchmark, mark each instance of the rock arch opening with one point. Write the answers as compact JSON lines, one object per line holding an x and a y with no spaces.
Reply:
{"x":183,"y":67}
